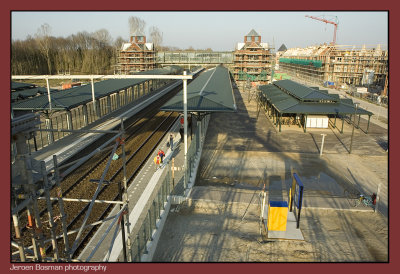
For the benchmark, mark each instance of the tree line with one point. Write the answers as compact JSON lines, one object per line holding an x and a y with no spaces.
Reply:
{"x":81,"y":53}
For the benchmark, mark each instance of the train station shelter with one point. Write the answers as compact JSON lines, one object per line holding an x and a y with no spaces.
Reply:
{"x":210,"y":92}
{"x":77,"y":107}
{"x":76,"y":96}
{"x":288,"y":100}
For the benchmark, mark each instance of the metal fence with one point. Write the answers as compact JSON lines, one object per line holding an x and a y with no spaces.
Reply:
{"x":144,"y":235}
{"x":163,"y":195}
{"x":370,"y":97}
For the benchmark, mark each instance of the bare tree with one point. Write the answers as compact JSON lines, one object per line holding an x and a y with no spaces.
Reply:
{"x":118,"y":42}
{"x":80,"y":53}
{"x":103,"y":37}
{"x":136,"y":25}
{"x":44,"y":41}
{"x":156,"y":36}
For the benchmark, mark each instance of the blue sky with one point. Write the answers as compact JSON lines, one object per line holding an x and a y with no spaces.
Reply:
{"x":217,"y":30}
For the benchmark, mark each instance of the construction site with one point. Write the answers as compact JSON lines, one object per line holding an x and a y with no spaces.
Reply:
{"x":249,"y":155}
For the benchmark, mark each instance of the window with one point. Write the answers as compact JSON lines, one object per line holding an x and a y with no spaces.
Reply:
{"x":248,"y":38}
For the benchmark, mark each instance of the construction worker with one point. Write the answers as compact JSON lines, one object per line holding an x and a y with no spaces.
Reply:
{"x":157,"y":161}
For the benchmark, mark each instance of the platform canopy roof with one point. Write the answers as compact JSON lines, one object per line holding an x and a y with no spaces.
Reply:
{"x":289,"y":97}
{"x":73,"y":97}
{"x":211,"y":91}
{"x":19,"y":85}
{"x":30,"y":92}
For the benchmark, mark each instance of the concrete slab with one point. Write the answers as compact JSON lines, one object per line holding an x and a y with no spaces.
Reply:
{"x":291,"y":233}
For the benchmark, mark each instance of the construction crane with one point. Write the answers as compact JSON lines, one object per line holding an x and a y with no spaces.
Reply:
{"x":328,"y":22}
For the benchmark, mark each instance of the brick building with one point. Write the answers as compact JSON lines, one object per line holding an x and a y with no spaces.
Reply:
{"x":137,"y":55}
{"x":252,"y":59}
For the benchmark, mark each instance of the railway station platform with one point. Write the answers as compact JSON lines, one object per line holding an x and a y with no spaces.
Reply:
{"x":70,"y":145}
{"x":142,"y":193}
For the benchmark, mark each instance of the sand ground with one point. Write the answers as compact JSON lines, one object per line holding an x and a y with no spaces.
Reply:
{"x":244,"y":151}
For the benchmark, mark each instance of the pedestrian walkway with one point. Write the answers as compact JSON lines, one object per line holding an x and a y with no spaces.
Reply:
{"x":147,"y":176}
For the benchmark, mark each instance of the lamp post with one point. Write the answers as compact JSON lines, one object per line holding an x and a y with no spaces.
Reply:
{"x":354,"y":123}
{"x":185,"y":130}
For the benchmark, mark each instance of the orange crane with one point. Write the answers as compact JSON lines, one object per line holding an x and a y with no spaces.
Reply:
{"x":328,"y":22}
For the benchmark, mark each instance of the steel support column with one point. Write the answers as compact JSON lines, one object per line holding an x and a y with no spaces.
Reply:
{"x":69,"y":120}
{"x":185,"y":130}
{"x":50,"y":135}
{"x":48,"y":92}
{"x":342,"y":125}
{"x":95,"y":107}
{"x":369,"y":118}
{"x":334,"y":124}
{"x":85,"y":115}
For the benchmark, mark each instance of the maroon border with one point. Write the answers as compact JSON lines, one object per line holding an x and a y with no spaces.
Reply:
{"x":210,"y":5}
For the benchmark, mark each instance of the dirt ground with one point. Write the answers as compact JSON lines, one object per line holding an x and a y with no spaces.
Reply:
{"x":245,"y":147}
{"x":207,"y":232}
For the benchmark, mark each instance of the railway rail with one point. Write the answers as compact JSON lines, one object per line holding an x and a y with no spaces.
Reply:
{"x":141,"y":137}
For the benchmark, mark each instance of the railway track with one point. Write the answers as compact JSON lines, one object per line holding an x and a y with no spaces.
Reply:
{"x":141,"y":137}
{"x":115,"y":176}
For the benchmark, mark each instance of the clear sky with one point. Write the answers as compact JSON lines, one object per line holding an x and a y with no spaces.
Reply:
{"x":217,"y":30}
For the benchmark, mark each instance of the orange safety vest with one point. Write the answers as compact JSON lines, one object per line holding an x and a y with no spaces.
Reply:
{"x":157,"y":160}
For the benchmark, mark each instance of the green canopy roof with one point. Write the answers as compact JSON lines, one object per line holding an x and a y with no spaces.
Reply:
{"x":19,"y":85}
{"x":304,"y":93}
{"x":209,"y":92}
{"x":26,"y":93}
{"x":73,"y":97}
{"x":292,"y":98}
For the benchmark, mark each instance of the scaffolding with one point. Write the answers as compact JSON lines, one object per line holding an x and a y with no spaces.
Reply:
{"x":252,"y":60}
{"x":31,"y":182}
{"x":135,"y":56}
{"x":337,"y":65}
{"x":131,"y":61}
